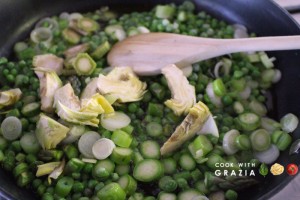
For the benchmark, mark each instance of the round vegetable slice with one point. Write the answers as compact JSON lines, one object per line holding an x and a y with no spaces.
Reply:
{"x":229,"y":142}
{"x":121,"y":155}
{"x":29,"y":143}
{"x":102,"y":148}
{"x":260,"y":140}
{"x":268,"y":156}
{"x":249,"y":121}
{"x":289,"y":122}
{"x":148,"y":170}
{"x":114,"y":121}
{"x":112,"y":191}
{"x":11,"y":128}
{"x":86,"y":142}
{"x":243,"y":142}
{"x":216,"y":100}
{"x":31,"y":109}
{"x":128,"y":184}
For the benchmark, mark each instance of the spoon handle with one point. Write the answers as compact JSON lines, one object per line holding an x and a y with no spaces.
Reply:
{"x":262,"y":44}
{"x":218,"y":47}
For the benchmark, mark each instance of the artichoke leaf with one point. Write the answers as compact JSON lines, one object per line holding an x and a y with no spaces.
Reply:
{"x":97,"y":103}
{"x":123,"y":84}
{"x":90,"y":89}
{"x":48,"y":61}
{"x":77,"y":117}
{"x":9,"y":97}
{"x":49,"y":132}
{"x":183,"y":94}
{"x":66,"y":96}
{"x":57,"y":171}
{"x":84,"y":112}
{"x":47,"y":168}
{"x":49,"y":83}
{"x":192,"y":123}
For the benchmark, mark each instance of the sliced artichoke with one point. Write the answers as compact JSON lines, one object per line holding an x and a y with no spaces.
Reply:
{"x":49,"y":83}
{"x":122,"y":83}
{"x":66,"y":96}
{"x":49,"y":132}
{"x":77,"y":117}
{"x":73,"y":51}
{"x":90,"y":89}
{"x":9,"y":97}
{"x":97,"y":103}
{"x":57,"y":171}
{"x":69,"y":107}
{"x":47,"y":168}
{"x":48,"y":61}
{"x":192,"y":123}
{"x":183,"y":94}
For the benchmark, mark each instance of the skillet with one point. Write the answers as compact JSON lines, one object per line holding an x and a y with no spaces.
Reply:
{"x":264,"y":18}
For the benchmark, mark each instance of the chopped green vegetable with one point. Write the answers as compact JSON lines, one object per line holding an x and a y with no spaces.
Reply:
{"x":164,"y":11}
{"x":64,"y":186}
{"x":153,"y":168}
{"x":101,"y":50}
{"x":84,"y":64}
{"x":128,"y":184}
{"x":260,"y":140}
{"x":70,"y":36}
{"x":87,"y":24}
{"x":112,"y":191}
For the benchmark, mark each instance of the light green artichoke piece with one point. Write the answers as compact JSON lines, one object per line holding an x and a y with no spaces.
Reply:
{"x":183,"y":93}
{"x":9,"y":97}
{"x":48,"y":61}
{"x":66,"y":96}
{"x":123,"y":84}
{"x":192,"y":123}
{"x":49,"y":132}
{"x":49,"y":84}
{"x":90,"y":89}
{"x":77,"y":117}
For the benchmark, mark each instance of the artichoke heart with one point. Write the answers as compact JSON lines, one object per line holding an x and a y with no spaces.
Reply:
{"x":122,"y":83}
{"x":183,"y":94}
{"x":49,"y":83}
{"x":90,"y":89}
{"x":67,"y":97}
{"x":46,"y":168}
{"x":85,"y":112}
{"x":97,"y":103}
{"x":48,"y":61}
{"x":57,"y":171}
{"x":9,"y":97}
{"x":192,"y":123}
{"x":49,"y":132}
{"x":77,"y":117}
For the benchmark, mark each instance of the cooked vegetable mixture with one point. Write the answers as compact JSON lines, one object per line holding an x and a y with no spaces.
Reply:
{"x":73,"y":128}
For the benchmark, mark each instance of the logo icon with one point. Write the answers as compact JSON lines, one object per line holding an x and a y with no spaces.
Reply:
{"x":277,"y":169}
{"x":292,"y":169}
{"x":263,"y":169}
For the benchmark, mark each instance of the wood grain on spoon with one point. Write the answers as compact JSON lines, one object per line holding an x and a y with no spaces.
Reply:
{"x":148,"y":53}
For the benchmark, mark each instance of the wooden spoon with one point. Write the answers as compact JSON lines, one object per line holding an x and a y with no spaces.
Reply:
{"x":148,"y":53}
